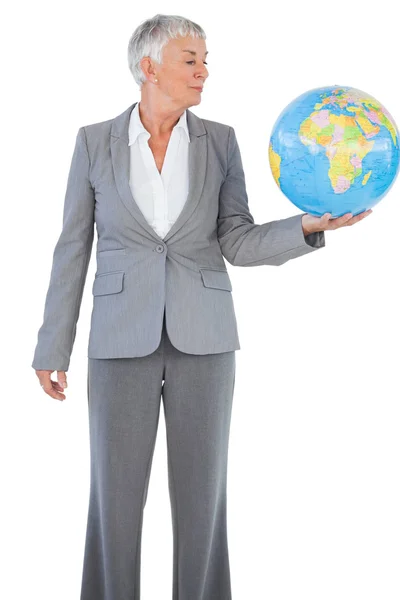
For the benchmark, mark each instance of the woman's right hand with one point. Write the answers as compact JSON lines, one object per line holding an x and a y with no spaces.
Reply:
{"x":52,"y":388}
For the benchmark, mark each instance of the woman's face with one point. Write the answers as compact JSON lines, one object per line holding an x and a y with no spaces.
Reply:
{"x":182,"y":70}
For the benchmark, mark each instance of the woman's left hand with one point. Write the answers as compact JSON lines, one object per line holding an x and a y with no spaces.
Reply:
{"x":313,"y":224}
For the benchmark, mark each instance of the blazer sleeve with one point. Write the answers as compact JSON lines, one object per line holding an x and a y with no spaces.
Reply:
{"x":71,"y":258}
{"x":246,"y":244}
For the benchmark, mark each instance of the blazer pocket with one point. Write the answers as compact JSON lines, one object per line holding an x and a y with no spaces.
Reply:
{"x":216,"y":278}
{"x":115,"y":252}
{"x":108,"y":283}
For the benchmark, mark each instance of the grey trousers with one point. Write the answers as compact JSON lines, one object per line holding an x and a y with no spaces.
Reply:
{"x":124,"y":405}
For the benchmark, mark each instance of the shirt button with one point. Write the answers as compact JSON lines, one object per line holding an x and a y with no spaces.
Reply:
{"x":160,"y":248}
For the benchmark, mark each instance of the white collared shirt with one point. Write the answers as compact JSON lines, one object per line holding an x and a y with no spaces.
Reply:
{"x":160,"y":197}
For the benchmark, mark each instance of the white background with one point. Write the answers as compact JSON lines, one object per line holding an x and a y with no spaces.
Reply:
{"x":313,"y":484}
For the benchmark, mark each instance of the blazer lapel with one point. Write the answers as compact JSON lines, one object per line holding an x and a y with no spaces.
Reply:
{"x":120,"y":156}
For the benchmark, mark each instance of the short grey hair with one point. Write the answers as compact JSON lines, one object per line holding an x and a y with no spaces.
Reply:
{"x":150,"y":37}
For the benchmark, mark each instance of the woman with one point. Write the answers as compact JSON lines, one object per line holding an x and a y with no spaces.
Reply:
{"x":167,"y":192}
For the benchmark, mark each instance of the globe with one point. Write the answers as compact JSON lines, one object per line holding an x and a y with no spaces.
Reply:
{"x":334,"y":149}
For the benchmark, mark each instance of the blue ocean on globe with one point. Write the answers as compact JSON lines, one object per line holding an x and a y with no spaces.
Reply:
{"x":334,"y":149}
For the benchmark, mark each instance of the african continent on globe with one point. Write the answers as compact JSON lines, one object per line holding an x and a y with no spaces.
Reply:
{"x":334,"y":149}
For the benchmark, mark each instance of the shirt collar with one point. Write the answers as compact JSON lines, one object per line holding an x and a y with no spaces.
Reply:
{"x":136,"y":126}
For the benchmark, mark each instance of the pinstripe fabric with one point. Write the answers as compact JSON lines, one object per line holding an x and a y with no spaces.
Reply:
{"x":124,"y":403}
{"x":138,"y":272}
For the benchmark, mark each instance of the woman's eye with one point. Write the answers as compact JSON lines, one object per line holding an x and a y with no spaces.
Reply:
{"x":192,"y":61}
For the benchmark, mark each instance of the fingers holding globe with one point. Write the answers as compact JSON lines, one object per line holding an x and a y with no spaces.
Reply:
{"x":334,"y":150}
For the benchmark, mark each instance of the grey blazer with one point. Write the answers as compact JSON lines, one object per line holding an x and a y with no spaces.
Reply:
{"x":138,"y":273}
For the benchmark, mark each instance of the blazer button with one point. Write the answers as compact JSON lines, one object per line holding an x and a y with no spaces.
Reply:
{"x":160,"y":248}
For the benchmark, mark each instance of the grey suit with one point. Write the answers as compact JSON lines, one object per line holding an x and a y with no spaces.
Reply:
{"x":138,"y":273}
{"x":144,"y":286}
